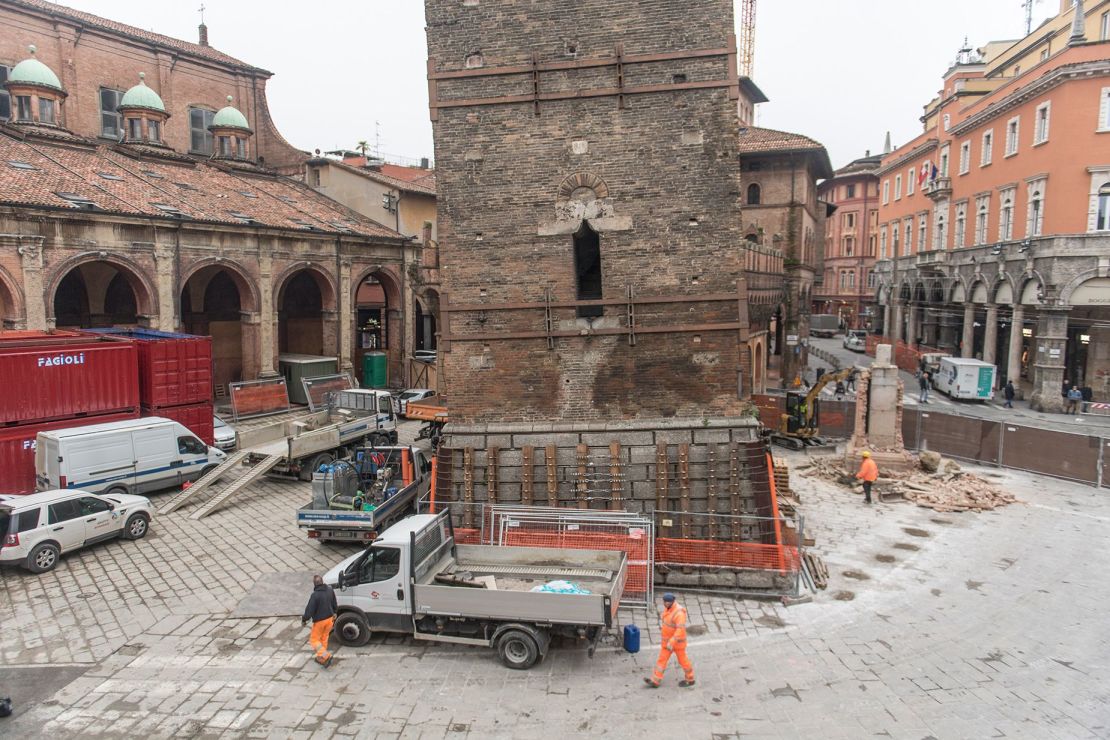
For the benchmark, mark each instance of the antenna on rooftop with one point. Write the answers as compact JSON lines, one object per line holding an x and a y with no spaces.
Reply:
{"x":1028,"y":5}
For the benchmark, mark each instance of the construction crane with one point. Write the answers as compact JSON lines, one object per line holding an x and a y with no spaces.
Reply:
{"x":1028,"y":5}
{"x":747,"y":37}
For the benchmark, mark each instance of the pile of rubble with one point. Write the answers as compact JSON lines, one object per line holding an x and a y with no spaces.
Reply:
{"x":939,"y":484}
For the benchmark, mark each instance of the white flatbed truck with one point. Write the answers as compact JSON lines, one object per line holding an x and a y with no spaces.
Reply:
{"x":416,"y":580}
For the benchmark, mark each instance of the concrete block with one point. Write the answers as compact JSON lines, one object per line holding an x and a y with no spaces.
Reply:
{"x":704,"y":436}
{"x":461,"y":441}
{"x":626,"y":438}
{"x":718,"y":579}
{"x":642,"y":454}
{"x":755,"y":579}
{"x":643,"y":490}
{"x":675,"y":578}
{"x":674,"y":436}
{"x":559,"y":439}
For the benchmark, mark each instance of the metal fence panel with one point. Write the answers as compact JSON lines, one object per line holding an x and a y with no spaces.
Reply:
{"x":1059,"y":454}
{"x":961,"y":437}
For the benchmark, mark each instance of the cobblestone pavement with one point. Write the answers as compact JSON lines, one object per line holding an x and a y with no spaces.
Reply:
{"x":949,"y":626}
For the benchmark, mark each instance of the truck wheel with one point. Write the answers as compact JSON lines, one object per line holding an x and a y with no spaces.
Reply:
{"x":518,"y":650}
{"x":43,"y":558}
{"x":136,"y":527}
{"x":351,"y":629}
{"x":323,"y":458}
{"x":117,"y":490}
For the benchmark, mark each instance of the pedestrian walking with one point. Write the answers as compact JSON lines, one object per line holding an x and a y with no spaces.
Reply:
{"x":321,"y":609}
{"x":923,"y":383}
{"x":1009,"y":393}
{"x":1074,"y":397}
{"x":868,"y":473}
{"x":673,"y":632}
{"x":852,"y":379}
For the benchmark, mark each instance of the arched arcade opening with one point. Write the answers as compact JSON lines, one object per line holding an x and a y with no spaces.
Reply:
{"x":218,"y":302}
{"x":101,"y":293}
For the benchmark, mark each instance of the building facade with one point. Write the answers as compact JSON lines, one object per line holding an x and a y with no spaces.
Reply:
{"x":594,"y":265}
{"x":136,"y":232}
{"x":994,"y":223}
{"x":849,"y":280}
{"x":782,"y":211}
{"x":403,"y":198}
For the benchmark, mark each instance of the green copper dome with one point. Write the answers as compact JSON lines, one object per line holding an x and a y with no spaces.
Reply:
{"x":229,"y":117}
{"x":142,"y":96}
{"x":33,"y":72}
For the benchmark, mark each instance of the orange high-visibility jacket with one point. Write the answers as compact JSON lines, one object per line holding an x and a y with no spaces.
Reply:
{"x":674,"y":623}
{"x":868,"y":470}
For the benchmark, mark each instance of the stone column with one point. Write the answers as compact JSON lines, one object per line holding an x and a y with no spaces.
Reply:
{"x":968,"y":340}
{"x":1048,"y":365}
{"x":895,"y":333}
{"x":990,"y":334}
{"x":949,"y":331}
{"x":912,"y":324}
{"x":165,"y":262}
{"x":886,"y":319}
{"x":34,"y":288}
{"x":346,"y":318}
{"x":1013,"y":362}
{"x":267,"y":313}
{"x":929,"y":327}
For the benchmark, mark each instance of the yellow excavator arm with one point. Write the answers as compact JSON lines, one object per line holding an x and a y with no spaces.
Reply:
{"x":809,"y":404}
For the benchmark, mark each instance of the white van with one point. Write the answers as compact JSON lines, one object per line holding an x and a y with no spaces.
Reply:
{"x":131,"y":456}
{"x":960,"y":377}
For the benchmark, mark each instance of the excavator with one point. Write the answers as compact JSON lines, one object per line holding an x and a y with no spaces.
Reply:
{"x":798,"y":427}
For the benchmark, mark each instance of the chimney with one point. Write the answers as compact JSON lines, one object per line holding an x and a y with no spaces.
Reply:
{"x":202,"y":30}
{"x":867,"y":154}
{"x":887,"y":148}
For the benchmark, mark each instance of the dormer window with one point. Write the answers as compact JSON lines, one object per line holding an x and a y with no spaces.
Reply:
{"x":154,"y":132}
{"x":23,"y":108}
{"x":225,"y":146}
{"x":143,"y":113}
{"x":135,"y":129}
{"x":241,"y":148}
{"x":36,"y":92}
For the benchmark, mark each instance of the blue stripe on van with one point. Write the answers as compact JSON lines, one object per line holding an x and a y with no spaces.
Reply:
{"x":137,"y":473}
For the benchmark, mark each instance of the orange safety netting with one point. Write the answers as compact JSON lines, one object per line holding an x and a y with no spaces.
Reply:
{"x":637,"y":548}
{"x":752,"y":555}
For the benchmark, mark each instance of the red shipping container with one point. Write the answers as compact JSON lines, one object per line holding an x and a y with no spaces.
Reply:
{"x":17,"y":449}
{"x":197,"y":418}
{"x":65,"y":375}
{"x":174,"y":369}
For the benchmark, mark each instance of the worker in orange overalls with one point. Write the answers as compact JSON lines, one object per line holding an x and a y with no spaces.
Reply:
{"x":868,"y":473}
{"x":321,"y":610}
{"x":674,"y":641}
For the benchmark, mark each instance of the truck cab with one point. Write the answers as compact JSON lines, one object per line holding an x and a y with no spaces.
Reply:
{"x":369,"y":404}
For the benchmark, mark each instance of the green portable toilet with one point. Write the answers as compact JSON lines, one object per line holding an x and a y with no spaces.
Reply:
{"x":374,"y":370}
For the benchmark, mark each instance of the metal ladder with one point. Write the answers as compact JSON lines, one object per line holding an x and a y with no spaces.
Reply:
{"x":252,"y":474}
{"x":203,"y":482}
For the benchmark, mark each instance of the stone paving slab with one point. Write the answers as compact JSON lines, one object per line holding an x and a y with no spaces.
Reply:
{"x":275,"y":595}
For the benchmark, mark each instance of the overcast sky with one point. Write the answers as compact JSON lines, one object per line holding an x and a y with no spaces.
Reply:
{"x":842,"y":72}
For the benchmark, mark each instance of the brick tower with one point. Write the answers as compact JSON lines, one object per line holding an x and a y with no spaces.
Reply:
{"x":593,"y":260}
{"x":589,"y":185}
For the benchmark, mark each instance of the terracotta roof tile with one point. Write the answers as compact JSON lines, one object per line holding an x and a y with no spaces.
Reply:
{"x":426,"y":185}
{"x":756,"y":140}
{"x":89,"y":19}
{"x":118,"y":180}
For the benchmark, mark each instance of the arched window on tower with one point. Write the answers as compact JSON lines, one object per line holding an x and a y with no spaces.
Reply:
{"x":753,"y":194}
{"x":587,"y":268}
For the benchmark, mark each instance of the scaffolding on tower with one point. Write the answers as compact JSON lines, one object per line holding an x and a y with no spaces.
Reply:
{"x":747,"y":37}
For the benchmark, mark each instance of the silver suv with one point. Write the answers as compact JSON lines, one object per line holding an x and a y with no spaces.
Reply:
{"x":35,"y":530}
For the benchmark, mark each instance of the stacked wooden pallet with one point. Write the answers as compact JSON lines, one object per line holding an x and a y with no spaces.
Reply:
{"x":816,"y":570}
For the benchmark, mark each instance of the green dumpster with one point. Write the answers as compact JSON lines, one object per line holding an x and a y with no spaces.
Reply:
{"x":374,"y":372}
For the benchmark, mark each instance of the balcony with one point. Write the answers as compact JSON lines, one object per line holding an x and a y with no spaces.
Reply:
{"x":938,"y":189}
{"x":934,"y":257}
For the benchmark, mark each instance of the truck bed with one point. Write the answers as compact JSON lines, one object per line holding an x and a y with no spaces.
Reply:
{"x":309,"y":517}
{"x":514,"y":572}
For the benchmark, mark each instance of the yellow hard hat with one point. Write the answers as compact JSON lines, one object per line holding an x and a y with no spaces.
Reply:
{"x":866,"y":453}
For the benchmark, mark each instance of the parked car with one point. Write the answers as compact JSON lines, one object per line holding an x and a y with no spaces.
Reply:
{"x":224,"y":435}
{"x":855,"y":340}
{"x":412,"y":394}
{"x":35,"y":530}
